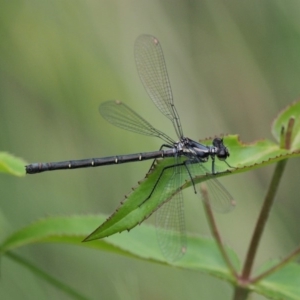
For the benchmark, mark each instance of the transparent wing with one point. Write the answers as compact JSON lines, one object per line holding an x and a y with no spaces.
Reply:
{"x":170,"y":221}
{"x":154,"y":76}
{"x":120,"y":115}
{"x":220,"y":199}
{"x":170,"y":230}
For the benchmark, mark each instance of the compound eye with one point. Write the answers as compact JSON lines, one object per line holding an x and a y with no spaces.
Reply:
{"x":223,"y":153}
{"x":218,"y":142}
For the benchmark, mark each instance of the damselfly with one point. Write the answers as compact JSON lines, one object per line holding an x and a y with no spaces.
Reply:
{"x":188,"y":154}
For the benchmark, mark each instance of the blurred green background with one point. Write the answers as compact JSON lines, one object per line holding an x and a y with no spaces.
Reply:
{"x":232,"y":65}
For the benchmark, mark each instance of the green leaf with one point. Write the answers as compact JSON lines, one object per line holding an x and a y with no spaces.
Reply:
{"x":11,"y":164}
{"x":202,"y":253}
{"x":282,"y":120}
{"x":283,"y":284}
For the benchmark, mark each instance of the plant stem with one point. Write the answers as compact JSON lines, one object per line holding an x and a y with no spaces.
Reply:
{"x":214,"y":228}
{"x":285,"y":142}
{"x":240,"y":293}
{"x":262,"y":219}
{"x":290,"y":257}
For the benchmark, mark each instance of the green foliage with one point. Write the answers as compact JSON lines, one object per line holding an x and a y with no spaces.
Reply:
{"x":284,"y":284}
{"x":277,"y":279}
{"x":11,"y":164}
{"x":203,"y":252}
{"x":282,"y":121}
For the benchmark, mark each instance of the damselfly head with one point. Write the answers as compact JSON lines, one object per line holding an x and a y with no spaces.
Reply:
{"x":222,"y":152}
